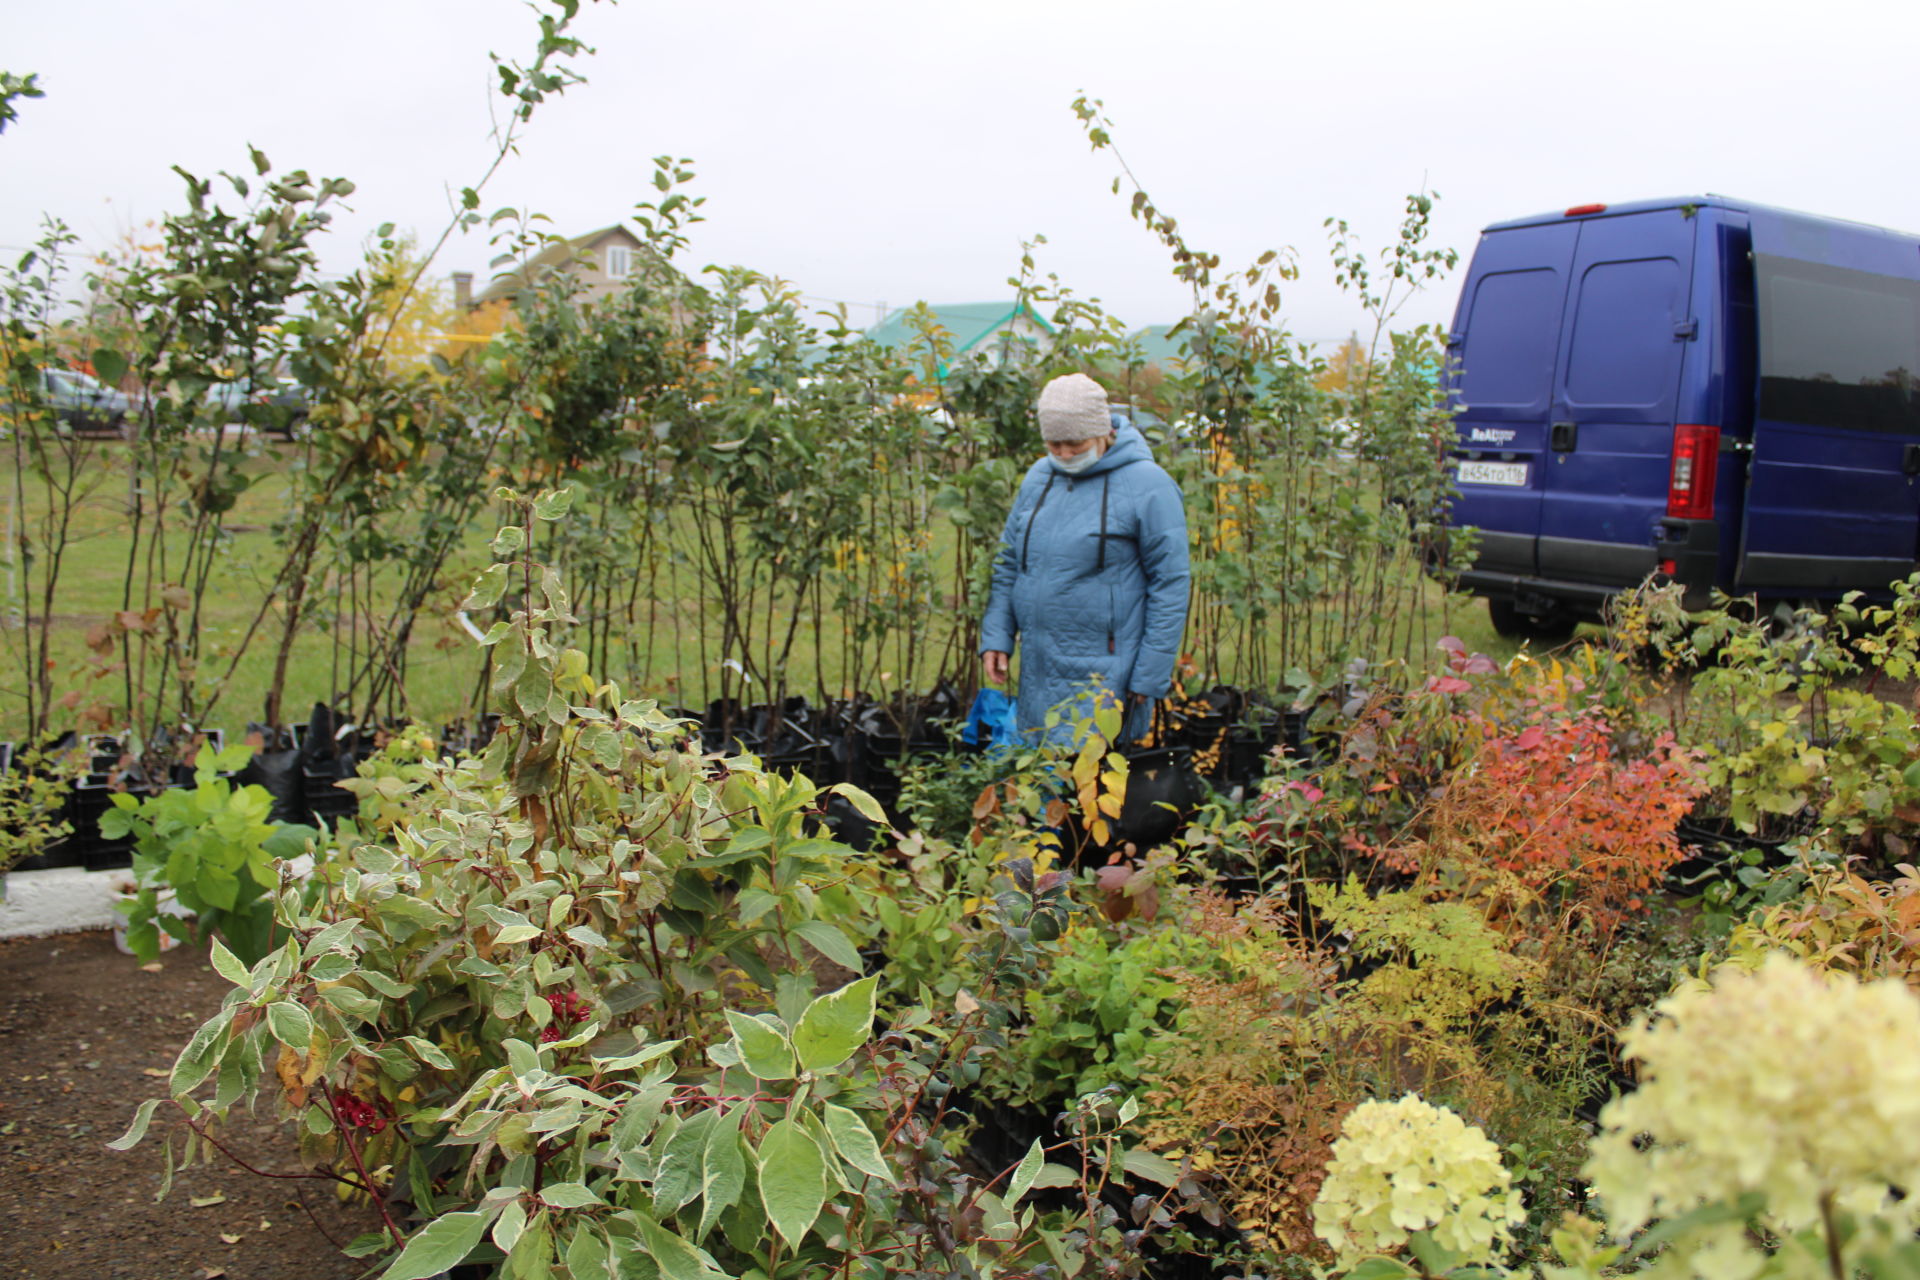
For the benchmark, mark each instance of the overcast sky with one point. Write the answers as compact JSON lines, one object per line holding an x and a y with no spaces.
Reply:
{"x":880,"y":151}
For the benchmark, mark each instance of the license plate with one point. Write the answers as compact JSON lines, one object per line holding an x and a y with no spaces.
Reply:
{"x":1506,"y":473}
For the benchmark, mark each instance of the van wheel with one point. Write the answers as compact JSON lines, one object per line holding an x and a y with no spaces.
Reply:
{"x":1547,"y":628}
{"x":1804,"y":628}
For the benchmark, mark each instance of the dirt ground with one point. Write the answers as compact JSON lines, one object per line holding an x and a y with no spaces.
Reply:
{"x":85,"y":1036}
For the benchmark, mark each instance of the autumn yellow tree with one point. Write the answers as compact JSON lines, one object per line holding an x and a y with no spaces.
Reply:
{"x":416,"y":305}
{"x":1347,"y":370}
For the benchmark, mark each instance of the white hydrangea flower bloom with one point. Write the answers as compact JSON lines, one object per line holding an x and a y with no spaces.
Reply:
{"x":1407,"y":1166}
{"x":1785,"y":1081}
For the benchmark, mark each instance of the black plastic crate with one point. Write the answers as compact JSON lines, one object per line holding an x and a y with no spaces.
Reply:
{"x":84,"y":845}
{"x":327,"y":801}
{"x":816,"y":760}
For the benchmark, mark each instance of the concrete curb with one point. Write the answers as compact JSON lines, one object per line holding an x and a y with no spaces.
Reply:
{"x":59,"y":900}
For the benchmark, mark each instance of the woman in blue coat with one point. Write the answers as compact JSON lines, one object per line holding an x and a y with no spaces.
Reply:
{"x":1091,"y":577}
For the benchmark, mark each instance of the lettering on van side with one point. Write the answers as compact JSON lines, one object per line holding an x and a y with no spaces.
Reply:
{"x":1491,"y":435}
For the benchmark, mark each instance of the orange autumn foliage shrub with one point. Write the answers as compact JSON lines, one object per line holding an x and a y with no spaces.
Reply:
{"x":1552,"y":815}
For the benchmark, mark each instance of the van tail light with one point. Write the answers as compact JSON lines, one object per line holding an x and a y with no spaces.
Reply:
{"x":1696,"y":464}
{"x":1582,"y":210}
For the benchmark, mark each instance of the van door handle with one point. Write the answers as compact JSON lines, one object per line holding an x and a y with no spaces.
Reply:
{"x":1910,"y":459}
{"x":1563,"y":437}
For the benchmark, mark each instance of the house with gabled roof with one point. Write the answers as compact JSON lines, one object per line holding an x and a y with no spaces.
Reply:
{"x":977,"y":328}
{"x":601,"y":261}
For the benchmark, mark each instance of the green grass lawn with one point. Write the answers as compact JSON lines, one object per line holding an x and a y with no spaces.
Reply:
{"x":93,"y":573}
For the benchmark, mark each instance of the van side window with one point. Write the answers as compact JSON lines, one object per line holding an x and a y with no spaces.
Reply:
{"x":1623,"y":352}
{"x":1513,"y":331}
{"x":1838,"y":348}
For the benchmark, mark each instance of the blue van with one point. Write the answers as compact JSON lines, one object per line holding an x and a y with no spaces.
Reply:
{"x":1718,"y":392}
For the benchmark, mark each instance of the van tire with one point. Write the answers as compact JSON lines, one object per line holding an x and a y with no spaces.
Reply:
{"x":1512,"y":624}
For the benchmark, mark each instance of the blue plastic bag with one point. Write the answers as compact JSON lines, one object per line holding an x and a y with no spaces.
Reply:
{"x":990,"y":721}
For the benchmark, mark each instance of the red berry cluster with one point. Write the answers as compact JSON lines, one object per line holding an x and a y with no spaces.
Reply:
{"x":356,"y":1114}
{"x":568,"y":1009}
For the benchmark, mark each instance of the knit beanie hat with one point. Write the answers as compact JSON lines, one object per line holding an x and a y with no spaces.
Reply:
{"x":1073,"y":408}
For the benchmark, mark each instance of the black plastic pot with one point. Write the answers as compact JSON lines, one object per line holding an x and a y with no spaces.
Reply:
{"x":849,"y":827}
{"x":1717,"y":842}
{"x":1243,"y":758}
{"x":279,"y":771}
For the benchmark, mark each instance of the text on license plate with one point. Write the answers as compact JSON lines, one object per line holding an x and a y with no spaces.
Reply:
{"x":1508,"y":473}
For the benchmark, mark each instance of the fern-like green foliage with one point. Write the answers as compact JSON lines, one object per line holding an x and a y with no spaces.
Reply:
{"x":1440,"y":961}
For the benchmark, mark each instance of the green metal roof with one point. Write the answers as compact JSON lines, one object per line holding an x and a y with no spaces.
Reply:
{"x":968,"y":322}
{"x":1157,"y":348}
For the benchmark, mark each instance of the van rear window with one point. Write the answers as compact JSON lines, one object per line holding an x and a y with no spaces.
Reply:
{"x":1838,"y":348}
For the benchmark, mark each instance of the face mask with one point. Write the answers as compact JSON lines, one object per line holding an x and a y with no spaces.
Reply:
{"x":1080,"y":462}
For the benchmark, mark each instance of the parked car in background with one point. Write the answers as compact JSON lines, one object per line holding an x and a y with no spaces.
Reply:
{"x":80,"y":403}
{"x":278,"y":406}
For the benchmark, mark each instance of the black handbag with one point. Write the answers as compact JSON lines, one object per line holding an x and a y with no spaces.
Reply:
{"x":1163,"y":789}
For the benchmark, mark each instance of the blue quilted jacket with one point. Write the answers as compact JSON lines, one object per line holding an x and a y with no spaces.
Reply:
{"x":1091,"y":580}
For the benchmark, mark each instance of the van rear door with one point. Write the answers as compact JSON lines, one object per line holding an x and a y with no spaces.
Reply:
{"x":1503,"y":347}
{"x":1833,"y":497}
{"x":1627,"y":331}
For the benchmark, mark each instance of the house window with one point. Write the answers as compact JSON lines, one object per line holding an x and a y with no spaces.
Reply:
{"x":619,"y":261}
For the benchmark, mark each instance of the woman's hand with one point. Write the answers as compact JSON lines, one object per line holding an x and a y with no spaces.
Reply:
{"x":995,"y":664}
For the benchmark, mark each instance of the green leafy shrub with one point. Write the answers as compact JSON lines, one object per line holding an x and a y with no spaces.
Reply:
{"x":32,"y":795}
{"x":213,"y":846}
{"x":386,"y":782}
{"x":1434,"y":963}
{"x":929,"y":899}
{"x":1109,"y":994}
{"x":568,"y":1009}
{"x":926,"y":914}
{"x":1796,"y":738}
{"x":941,"y":793}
